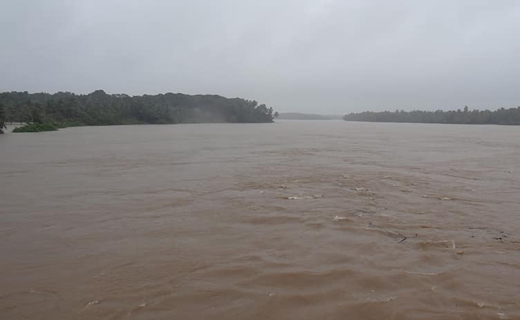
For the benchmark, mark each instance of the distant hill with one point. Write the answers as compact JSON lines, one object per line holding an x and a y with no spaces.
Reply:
{"x":307,"y":116}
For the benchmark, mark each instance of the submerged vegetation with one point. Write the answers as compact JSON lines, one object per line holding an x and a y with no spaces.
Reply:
{"x":501,"y":116}
{"x":43,"y":111}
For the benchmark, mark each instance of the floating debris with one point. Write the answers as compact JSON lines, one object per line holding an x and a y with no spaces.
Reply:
{"x":338,"y":218}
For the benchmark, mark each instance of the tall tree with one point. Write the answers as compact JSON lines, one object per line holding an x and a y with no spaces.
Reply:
{"x":2,"y":118}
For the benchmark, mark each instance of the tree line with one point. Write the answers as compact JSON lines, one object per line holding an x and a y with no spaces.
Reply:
{"x":99,"y":108}
{"x":501,"y":116}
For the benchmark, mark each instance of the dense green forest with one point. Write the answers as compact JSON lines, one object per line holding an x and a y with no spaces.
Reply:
{"x":501,"y":116}
{"x":99,"y":108}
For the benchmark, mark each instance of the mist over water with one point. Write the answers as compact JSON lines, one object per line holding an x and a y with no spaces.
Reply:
{"x":291,"y":220}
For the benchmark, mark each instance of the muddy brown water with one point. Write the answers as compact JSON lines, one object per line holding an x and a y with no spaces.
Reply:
{"x":292,"y":220}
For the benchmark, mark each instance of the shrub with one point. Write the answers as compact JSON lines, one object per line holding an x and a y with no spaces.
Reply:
{"x":36,"y":127}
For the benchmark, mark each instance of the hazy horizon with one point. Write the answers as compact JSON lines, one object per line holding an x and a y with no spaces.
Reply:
{"x":314,"y":56}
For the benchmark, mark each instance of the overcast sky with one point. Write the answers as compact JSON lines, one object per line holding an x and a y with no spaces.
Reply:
{"x":320,"y":56}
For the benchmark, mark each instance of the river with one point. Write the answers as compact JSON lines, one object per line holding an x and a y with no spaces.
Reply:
{"x":291,"y":220}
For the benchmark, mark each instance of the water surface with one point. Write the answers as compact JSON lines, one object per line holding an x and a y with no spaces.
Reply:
{"x":292,"y":220}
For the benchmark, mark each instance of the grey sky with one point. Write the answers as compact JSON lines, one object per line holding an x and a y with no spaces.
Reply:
{"x":320,"y":56}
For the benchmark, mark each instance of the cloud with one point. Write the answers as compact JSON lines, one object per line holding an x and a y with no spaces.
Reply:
{"x":321,"y":56}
